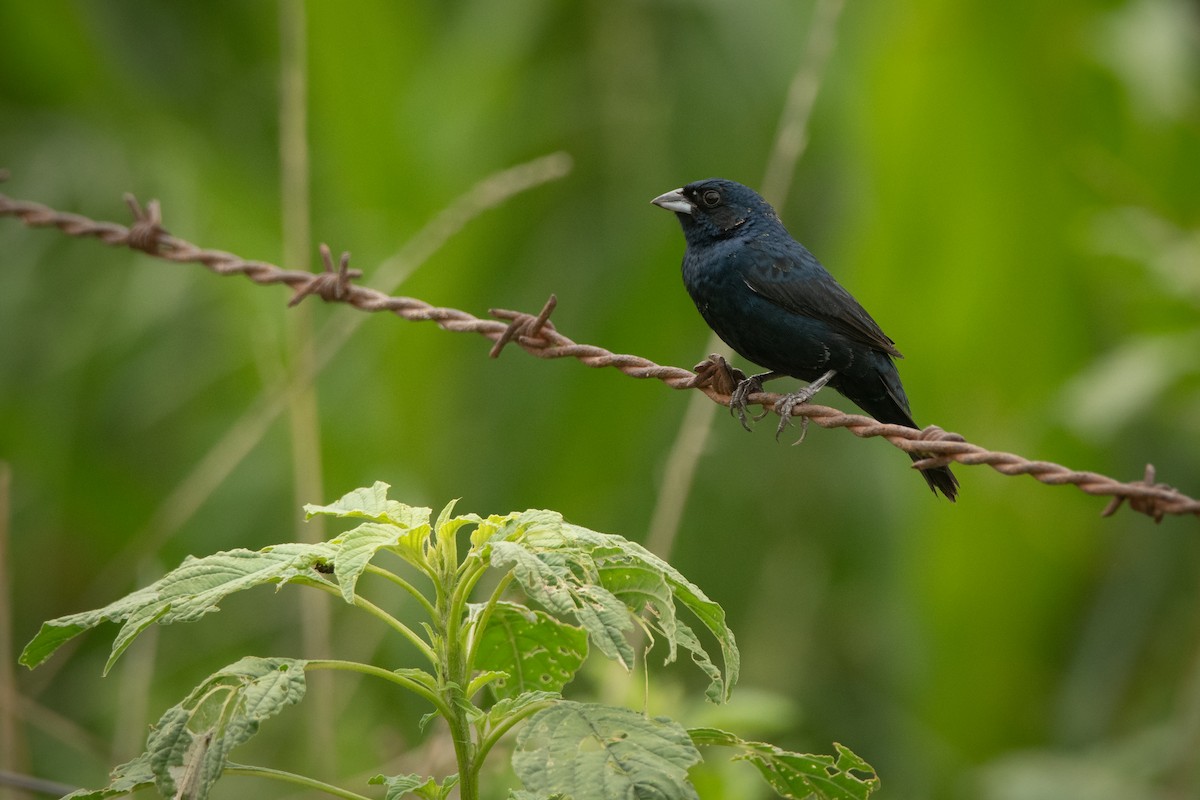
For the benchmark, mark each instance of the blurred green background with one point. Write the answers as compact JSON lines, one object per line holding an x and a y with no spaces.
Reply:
{"x":1010,"y":188}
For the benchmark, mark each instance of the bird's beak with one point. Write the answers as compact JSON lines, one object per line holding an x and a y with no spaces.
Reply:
{"x":674,"y":201}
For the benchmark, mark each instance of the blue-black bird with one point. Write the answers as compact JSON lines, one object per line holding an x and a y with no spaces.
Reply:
{"x":769,"y":299}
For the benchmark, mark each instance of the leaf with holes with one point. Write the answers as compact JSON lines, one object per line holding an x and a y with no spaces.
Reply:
{"x":564,"y":582}
{"x":535,"y":650}
{"x":800,"y":776}
{"x":187,"y":748}
{"x":189,"y":745}
{"x":599,"y":579}
{"x":595,"y":752}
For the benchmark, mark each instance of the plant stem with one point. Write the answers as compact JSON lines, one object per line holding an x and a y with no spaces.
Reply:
{"x":397,"y":625}
{"x":293,"y":778}
{"x":388,"y":575}
{"x":454,"y":672}
{"x":380,"y":614}
{"x":413,"y":686}
{"x":460,"y":725}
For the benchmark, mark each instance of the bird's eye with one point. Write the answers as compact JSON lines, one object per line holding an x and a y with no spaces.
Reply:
{"x":711,"y":198}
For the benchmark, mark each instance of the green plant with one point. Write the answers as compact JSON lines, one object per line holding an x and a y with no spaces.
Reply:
{"x":590,"y":588}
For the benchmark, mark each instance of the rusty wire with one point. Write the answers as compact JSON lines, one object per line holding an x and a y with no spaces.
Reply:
{"x":536,"y":335}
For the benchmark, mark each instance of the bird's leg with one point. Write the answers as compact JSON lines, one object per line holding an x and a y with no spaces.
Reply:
{"x":745,"y":388}
{"x":789,"y":401}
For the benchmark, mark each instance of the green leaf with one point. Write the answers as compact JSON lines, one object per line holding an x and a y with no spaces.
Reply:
{"x":482,"y":679}
{"x":184,"y":594}
{"x":718,"y":688}
{"x":401,"y":785}
{"x":188,"y":746}
{"x":372,"y":503}
{"x":594,"y":752}
{"x":599,"y":579}
{"x":356,"y":548}
{"x":800,"y":776}
{"x":184,"y":762}
{"x":494,"y":525}
{"x":125,"y":779}
{"x":690,"y":596}
{"x":420,"y":676}
{"x":511,"y":706}
{"x":566,"y":583}
{"x":536,"y":651}
{"x":448,"y":526}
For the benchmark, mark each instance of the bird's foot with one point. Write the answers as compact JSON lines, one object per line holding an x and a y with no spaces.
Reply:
{"x":740,"y":396}
{"x":718,"y":374}
{"x":789,"y":401}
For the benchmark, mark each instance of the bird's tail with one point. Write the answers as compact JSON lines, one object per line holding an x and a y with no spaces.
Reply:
{"x":885,"y":401}
{"x":940,"y":479}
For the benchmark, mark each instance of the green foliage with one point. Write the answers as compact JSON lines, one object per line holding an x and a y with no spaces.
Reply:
{"x":185,"y":594}
{"x":606,"y":753}
{"x":1008,"y":187}
{"x":426,"y":788}
{"x":540,"y":652}
{"x":799,"y":775}
{"x":592,"y":586}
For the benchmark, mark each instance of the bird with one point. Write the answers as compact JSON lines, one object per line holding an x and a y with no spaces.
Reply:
{"x":770,"y":299}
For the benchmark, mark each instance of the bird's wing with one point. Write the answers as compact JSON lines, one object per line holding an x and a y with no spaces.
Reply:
{"x":796,"y":281}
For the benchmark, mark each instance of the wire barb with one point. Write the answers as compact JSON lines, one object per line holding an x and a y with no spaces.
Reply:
{"x":1151,"y":505}
{"x":147,"y":230}
{"x":332,"y":285}
{"x":523,"y":327}
{"x":536,"y":335}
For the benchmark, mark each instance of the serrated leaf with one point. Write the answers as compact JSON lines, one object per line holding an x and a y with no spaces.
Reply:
{"x":594,"y":752}
{"x":707,"y":612}
{"x":597,"y":579}
{"x":537,"y":651}
{"x":123,"y":780}
{"x":138,"y":621}
{"x":188,"y":746}
{"x":638,"y":586}
{"x":184,"y":594}
{"x":185,"y":762}
{"x":356,"y":548}
{"x":565,"y":582}
{"x":399,"y":786}
{"x":799,"y":776}
{"x":515,"y":705}
{"x":372,"y":503}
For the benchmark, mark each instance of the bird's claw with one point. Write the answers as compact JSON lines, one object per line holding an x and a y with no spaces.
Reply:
{"x":740,"y":396}
{"x":789,"y":401}
{"x":784,"y":409}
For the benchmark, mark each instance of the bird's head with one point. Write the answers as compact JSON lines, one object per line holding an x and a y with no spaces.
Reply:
{"x":716,"y":209}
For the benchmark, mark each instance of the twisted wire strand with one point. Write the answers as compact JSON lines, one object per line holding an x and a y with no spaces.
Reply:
{"x":536,"y":335}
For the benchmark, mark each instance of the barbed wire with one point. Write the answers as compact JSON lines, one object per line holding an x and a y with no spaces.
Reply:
{"x":536,"y":335}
